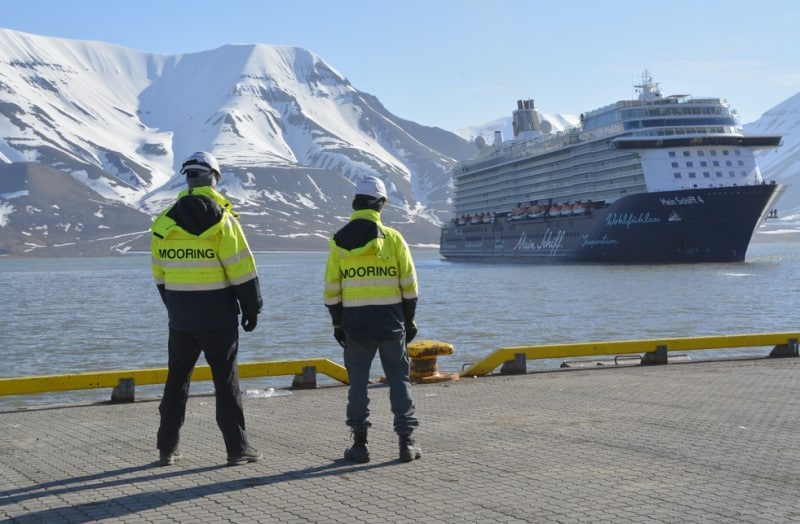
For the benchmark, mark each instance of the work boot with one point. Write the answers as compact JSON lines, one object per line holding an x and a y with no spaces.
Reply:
{"x":169,"y":459}
{"x":408,"y":451}
{"x":248,"y":455}
{"x":358,"y":452}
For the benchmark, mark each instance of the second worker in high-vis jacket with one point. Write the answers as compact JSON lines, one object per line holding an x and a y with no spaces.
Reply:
{"x":371,"y":294}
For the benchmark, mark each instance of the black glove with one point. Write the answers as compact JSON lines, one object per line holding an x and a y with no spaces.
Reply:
{"x":249,"y":322}
{"x":411,"y":331}
{"x":338,"y":334}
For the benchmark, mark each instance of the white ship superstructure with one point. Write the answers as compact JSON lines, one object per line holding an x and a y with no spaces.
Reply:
{"x":654,"y":143}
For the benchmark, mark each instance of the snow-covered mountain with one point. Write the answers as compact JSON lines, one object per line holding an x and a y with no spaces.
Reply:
{"x":783,"y":164}
{"x":92,"y":136}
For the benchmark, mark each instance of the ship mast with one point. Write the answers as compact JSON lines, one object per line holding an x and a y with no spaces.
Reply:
{"x":648,"y":90}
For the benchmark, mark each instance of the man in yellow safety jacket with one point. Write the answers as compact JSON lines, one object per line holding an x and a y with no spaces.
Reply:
{"x":206,"y":274}
{"x":371,"y":294}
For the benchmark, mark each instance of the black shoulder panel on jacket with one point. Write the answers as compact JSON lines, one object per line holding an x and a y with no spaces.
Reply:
{"x":357,"y":233}
{"x":195,"y":213}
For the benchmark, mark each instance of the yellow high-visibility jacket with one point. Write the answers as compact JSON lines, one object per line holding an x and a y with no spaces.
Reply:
{"x":202,"y":264}
{"x":370,"y":279}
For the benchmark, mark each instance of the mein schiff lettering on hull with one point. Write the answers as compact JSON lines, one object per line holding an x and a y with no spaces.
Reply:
{"x":657,"y":179}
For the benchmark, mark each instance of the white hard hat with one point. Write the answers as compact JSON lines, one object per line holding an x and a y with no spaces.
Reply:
{"x":371,"y":186}
{"x":201,"y":161}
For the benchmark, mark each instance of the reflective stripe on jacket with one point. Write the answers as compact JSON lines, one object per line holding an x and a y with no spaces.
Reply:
{"x":202,"y":263}
{"x":370,"y":280}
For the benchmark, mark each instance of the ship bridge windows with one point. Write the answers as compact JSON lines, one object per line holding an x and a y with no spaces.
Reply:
{"x":673,"y":154}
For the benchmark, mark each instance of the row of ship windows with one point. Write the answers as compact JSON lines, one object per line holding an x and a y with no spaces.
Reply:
{"x":714,"y":163}
{"x":677,"y":122}
{"x":707,"y":174}
{"x":697,"y":130}
{"x":673,"y":110}
{"x":701,"y":152}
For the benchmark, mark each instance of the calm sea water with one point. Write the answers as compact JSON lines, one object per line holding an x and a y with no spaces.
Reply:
{"x":98,"y":314}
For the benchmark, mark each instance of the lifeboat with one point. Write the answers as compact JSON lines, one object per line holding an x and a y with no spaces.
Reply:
{"x":566,"y":210}
{"x":536,"y":211}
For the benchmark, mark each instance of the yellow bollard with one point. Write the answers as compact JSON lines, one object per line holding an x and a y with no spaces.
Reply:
{"x":424,"y":366}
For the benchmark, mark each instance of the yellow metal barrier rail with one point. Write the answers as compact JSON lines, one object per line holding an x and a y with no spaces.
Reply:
{"x":586,"y":349}
{"x":110,"y":379}
{"x":304,"y":368}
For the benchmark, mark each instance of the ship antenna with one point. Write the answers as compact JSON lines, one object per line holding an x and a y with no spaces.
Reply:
{"x":648,"y":90}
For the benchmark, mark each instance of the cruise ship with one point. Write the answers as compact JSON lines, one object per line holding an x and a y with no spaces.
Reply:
{"x":658,"y":179}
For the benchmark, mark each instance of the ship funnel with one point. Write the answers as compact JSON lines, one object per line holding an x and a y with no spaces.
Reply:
{"x":498,"y":138}
{"x":525,"y":118}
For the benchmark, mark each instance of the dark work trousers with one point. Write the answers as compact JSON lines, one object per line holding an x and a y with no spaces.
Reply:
{"x":358,"y":357}
{"x":220,"y":349}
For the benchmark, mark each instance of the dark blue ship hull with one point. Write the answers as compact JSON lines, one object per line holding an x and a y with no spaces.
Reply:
{"x":687,"y":226}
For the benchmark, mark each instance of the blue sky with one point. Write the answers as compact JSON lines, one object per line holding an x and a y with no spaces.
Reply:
{"x":457,"y":63}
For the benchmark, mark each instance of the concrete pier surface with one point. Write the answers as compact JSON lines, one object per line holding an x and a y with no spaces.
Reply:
{"x":687,"y":442}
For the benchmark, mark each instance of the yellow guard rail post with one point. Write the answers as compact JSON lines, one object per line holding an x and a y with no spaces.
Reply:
{"x":655,"y":350}
{"x":125,"y":379}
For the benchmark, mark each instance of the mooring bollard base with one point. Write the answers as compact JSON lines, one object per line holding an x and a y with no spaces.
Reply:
{"x":306,"y":380}
{"x":124,"y":391}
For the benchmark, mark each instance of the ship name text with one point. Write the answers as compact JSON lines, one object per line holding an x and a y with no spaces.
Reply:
{"x":630,"y":219}
{"x":551,"y":242}
{"x":603,"y":241}
{"x":682,"y":201}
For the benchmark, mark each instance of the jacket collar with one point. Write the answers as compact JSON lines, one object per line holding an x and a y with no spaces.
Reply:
{"x":367,"y":214}
{"x":210,"y":192}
